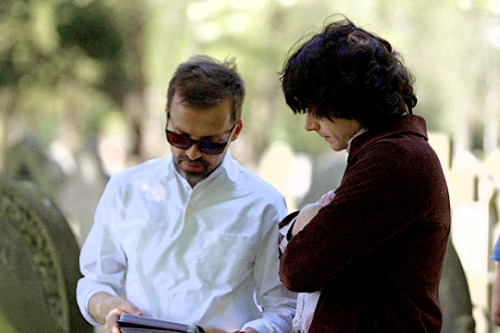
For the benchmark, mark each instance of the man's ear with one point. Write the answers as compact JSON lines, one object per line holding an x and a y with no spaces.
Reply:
{"x":237,"y":130}
{"x":166,"y":115}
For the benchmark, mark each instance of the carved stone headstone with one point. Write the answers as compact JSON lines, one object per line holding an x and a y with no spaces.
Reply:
{"x":38,"y":264}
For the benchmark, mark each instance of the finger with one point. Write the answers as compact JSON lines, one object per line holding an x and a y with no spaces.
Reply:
{"x":112,"y":321}
{"x":323,"y":200}
{"x":112,"y":328}
{"x":326,"y":198}
{"x":116,"y":329}
{"x":129,"y":308}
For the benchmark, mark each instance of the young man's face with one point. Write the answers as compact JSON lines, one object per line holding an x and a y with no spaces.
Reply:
{"x":337,"y":132}
{"x":213,"y":124}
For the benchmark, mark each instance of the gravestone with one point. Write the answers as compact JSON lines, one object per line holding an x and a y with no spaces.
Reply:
{"x":27,"y":160}
{"x":38,"y":264}
{"x":454,"y":296}
{"x":328,"y":170}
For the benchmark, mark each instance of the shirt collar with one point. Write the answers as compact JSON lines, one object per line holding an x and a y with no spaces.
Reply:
{"x":358,"y":133}
{"x":229,"y":166}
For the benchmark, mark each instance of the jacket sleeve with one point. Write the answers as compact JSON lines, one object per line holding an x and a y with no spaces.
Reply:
{"x":383,"y":191}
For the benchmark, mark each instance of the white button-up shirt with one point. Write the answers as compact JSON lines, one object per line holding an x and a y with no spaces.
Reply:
{"x":205,"y":255}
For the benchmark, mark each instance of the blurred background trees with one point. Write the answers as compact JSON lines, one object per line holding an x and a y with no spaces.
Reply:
{"x":71,"y":70}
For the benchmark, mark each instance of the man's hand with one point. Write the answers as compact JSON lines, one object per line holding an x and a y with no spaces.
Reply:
{"x":106,"y":309}
{"x":305,"y":216}
{"x":309,"y":211}
{"x":326,"y":198}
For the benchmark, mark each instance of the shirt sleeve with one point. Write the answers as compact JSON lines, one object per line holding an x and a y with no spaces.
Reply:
{"x":278,"y":304}
{"x":102,"y":261}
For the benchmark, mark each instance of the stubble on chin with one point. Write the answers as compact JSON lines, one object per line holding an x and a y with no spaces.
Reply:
{"x":192,"y":176}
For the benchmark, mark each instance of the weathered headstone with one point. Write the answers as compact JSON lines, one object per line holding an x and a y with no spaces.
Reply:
{"x":454,"y":295}
{"x":27,"y":160}
{"x":38,"y":264}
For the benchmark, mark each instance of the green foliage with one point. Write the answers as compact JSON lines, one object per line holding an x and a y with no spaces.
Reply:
{"x":74,"y":61}
{"x":56,"y":58}
{"x":89,"y":28}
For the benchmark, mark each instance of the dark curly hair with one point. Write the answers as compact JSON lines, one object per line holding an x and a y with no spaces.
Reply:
{"x":203,"y":82}
{"x":347,"y":72}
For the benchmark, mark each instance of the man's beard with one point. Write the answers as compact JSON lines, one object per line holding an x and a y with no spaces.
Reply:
{"x":193,"y":176}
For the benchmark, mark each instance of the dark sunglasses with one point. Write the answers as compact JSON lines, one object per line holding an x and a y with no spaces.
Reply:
{"x":205,"y":146}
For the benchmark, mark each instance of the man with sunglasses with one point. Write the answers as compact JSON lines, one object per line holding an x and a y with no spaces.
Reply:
{"x":190,"y":237}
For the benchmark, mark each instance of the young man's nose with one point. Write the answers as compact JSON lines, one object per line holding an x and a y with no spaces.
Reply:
{"x":311,"y":123}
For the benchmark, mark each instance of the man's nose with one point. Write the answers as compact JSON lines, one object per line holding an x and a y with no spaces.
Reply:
{"x":311,"y":124}
{"x":193,"y":152}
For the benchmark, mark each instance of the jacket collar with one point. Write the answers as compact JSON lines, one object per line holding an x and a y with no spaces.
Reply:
{"x":410,"y":124}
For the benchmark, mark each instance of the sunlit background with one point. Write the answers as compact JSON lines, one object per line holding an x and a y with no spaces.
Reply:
{"x":83,"y":86}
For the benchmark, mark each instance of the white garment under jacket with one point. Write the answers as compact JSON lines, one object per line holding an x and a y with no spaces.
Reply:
{"x":197,"y":255}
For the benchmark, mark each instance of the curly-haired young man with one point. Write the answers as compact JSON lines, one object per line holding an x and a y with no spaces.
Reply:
{"x":369,"y":257}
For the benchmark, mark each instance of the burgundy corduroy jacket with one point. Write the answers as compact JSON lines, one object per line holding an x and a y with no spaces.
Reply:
{"x":376,"y":251}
